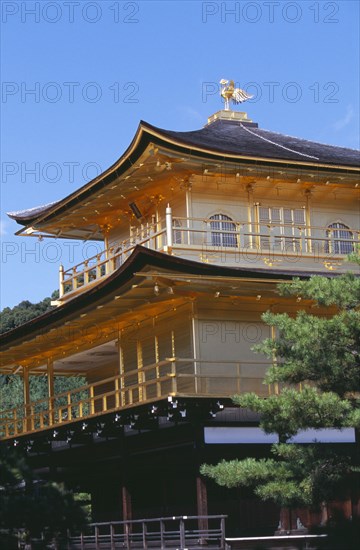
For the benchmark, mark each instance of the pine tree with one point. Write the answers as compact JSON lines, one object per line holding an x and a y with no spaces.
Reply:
{"x":319,"y":354}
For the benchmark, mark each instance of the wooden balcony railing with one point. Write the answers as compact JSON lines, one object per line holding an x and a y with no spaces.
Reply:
{"x":171,"y":377}
{"x":104,"y":263}
{"x":291,"y":241}
{"x":181,"y":532}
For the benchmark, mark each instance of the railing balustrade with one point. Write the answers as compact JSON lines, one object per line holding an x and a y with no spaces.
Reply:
{"x":181,"y":532}
{"x":186,"y":377}
{"x":266,"y":238}
{"x":108,"y":260}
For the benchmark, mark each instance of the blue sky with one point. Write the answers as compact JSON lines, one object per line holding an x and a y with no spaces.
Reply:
{"x":78,"y":76}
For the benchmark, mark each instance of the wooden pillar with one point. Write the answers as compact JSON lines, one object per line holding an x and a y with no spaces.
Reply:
{"x":201,"y":489}
{"x":347,"y":508}
{"x":126,"y":512}
{"x":189,"y":213}
{"x":27,"y":409}
{"x":51,"y":392}
{"x":169,"y":229}
{"x":126,"y":502}
{"x":250,"y":205}
{"x":61,"y":281}
{"x":106,"y":249}
{"x":308,"y":245}
{"x":355,"y":505}
{"x":256,"y":226}
{"x":121,"y":372}
{"x":324,"y":514}
{"x":202,"y":502}
{"x":140,"y":374}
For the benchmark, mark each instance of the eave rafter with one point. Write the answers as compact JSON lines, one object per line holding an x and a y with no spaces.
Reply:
{"x":155,"y":163}
{"x":147,"y":283}
{"x":103,"y":322}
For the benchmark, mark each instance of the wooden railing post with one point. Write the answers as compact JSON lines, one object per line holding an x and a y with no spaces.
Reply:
{"x":74,"y":279}
{"x":50,"y":385}
{"x":15,"y":420}
{"x":32,"y":418}
{"x":144,"y":535}
{"x":222,"y":529}
{"x":117,"y":392}
{"x":106,"y":251}
{"x":61,"y":281}
{"x":86,"y":272}
{"x":241,"y":235}
{"x":303,"y":244}
{"x":141,"y":376}
{"x":162,"y":535}
{"x":127,"y":536}
{"x":173,"y":375}
{"x":27,"y":409}
{"x":98,"y":267}
{"x":41,"y":417}
{"x":169,"y":229}
{"x":92,"y":403}
{"x":271,"y":240}
{"x":97,"y":546}
{"x":32,"y":414}
{"x":182,"y":534}
{"x":112,"y":539}
{"x":69,"y":411}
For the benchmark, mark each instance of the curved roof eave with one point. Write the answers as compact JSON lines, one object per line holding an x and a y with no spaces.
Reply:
{"x":55,"y":208}
{"x":146,"y":134}
{"x":141,"y":257}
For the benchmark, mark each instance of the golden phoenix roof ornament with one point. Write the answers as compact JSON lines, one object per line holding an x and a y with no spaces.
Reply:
{"x":229,"y":92}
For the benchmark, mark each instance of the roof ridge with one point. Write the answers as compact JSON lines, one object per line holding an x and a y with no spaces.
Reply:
{"x":309,"y":140}
{"x":278,"y":144}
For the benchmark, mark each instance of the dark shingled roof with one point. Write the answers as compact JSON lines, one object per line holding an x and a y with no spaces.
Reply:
{"x":234,"y":137}
{"x":230,"y":137}
{"x":31,"y":212}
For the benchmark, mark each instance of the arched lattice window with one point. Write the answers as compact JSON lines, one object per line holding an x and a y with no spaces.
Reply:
{"x":341,"y":240}
{"x":223,"y":231}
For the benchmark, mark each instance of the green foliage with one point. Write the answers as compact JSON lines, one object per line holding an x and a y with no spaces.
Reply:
{"x":322,"y":353}
{"x":247,"y":472}
{"x":25,"y":502}
{"x":320,"y":350}
{"x":12,"y":393}
{"x":33,"y":504}
{"x":11,"y":387}
{"x":84,"y":500}
{"x":23,"y":312}
{"x":292,"y":410}
{"x":343,"y":291}
{"x":298,"y":476}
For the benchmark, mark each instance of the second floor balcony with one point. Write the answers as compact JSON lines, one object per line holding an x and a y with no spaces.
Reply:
{"x":169,"y":379}
{"x":222,"y":240}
